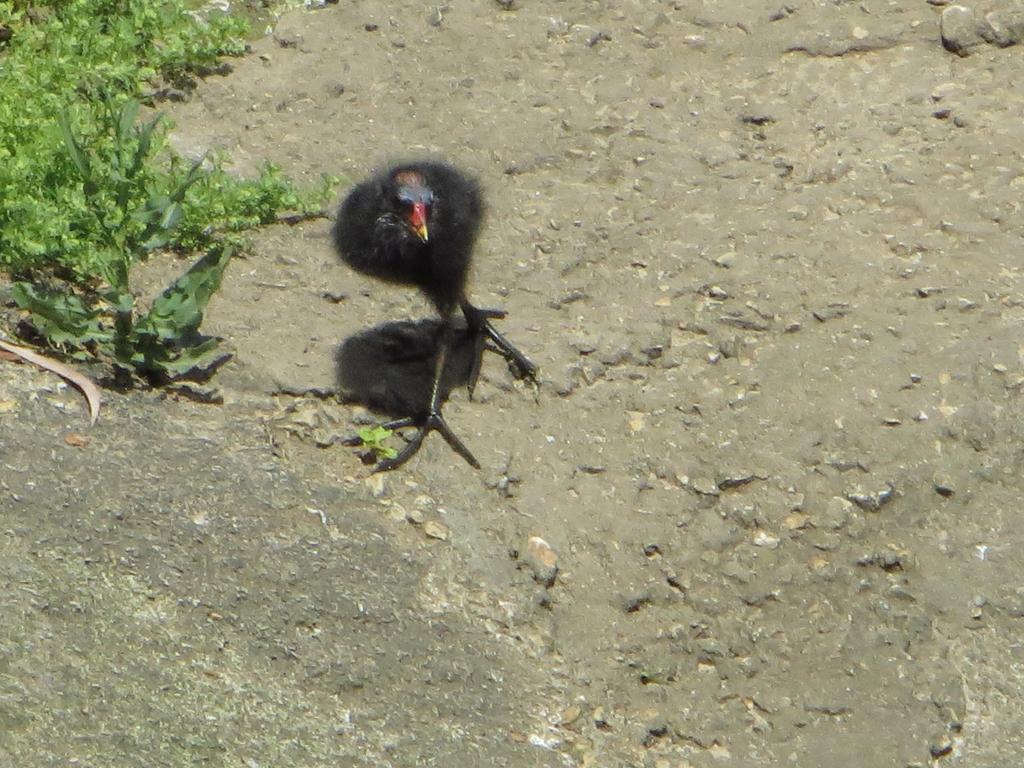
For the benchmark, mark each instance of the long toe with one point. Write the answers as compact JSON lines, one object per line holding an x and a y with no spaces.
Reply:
{"x":434,"y":422}
{"x":410,"y":449}
{"x":478,"y":321}
{"x":523,"y":367}
{"x":476,"y":317}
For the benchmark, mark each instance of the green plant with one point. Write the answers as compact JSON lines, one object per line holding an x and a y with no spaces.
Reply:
{"x":72,"y":56}
{"x":89,"y":186}
{"x":373,"y":438}
{"x":129,"y":210}
{"x":162,"y":343}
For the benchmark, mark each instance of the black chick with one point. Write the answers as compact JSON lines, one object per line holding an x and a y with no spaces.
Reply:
{"x":415,"y":224}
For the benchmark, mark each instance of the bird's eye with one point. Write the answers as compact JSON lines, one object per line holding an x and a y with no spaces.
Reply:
{"x":413,"y":195}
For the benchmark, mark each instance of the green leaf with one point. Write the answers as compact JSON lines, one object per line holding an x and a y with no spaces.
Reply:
{"x":126,"y":120}
{"x":172,"y":217}
{"x":152,"y":211}
{"x":374,"y":437}
{"x":195,"y":173}
{"x":162,"y":213}
{"x":63,"y":318}
{"x":178,"y":362}
{"x":178,"y":311}
{"x":144,"y":145}
{"x":78,"y":157}
{"x":120,"y":301}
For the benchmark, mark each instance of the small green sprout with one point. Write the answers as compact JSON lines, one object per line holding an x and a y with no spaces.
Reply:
{"x":374,"y":437}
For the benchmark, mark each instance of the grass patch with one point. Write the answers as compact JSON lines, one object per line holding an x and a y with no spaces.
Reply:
{"x":88,"y":188}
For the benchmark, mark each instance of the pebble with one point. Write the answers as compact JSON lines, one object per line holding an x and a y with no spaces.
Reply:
{"x":765,"y":539}
{"x":655,"y":728}
{"x":636,"y":421}
{"x":415,"y":517}
{"x":545,"y":743}
{"x":940,"y":747}
{"x":584,"y":346}
{"x":872,"y":501}
{"x":836,"y":513}
{"x":959,"y":30}
{"x":736,"y":478}
{"x":376,"y":484}
{"x":1004,"y":27}
{"x":796,"y":521}
{"x":435,"y":530}
{"x":542,"y":560}
{"x":962,"y":31}
{"x":634,"y":603}
{"x":833,"y":311}
{"x":601,"y":721}
{"x":705,"y":486}
{"x":943,"y":484}
{"x":570,"y":715}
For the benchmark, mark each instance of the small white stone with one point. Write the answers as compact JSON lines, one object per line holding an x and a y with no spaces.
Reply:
{"x":542,"y":560}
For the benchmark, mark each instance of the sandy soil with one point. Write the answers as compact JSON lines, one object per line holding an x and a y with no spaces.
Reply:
{"x":767,"y":258}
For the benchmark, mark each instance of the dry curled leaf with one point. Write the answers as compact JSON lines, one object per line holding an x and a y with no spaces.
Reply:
{"x":76,"y":440}
{"x":83,"y":382}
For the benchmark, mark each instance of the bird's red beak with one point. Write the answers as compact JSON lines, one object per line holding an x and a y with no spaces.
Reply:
{"x":418,"y":220}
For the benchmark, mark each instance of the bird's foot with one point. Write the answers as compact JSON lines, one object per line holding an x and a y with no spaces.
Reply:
{"x":479,"y":322}
{"x":434,"y":422}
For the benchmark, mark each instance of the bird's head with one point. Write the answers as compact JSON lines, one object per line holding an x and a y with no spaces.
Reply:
{"x":414,"y":199}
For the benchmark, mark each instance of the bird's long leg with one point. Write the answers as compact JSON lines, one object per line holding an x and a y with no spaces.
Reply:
{"x":434,"y":421}
{"x":479,"y":323}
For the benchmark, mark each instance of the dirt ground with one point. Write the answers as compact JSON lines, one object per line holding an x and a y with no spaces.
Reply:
{"x":768,"y":260}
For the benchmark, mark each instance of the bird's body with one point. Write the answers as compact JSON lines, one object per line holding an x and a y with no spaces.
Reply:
{"x":391,"y":250}
{"x":416,"y":223}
